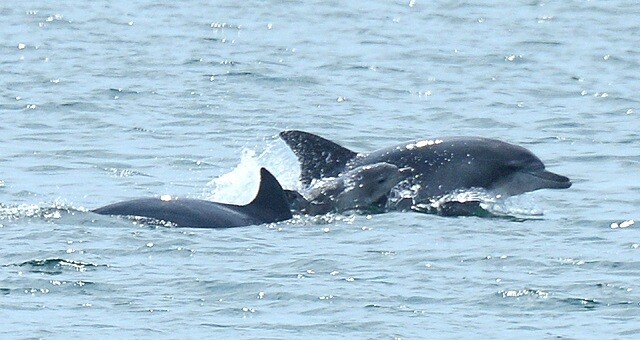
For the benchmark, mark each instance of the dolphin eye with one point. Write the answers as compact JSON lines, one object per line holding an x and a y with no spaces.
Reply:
{"x":381,"y":180}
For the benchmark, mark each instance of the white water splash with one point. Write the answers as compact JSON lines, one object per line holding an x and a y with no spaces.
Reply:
{"x":47,"y":211}
{"x":522,"y":206}
{"x":240,"y":185}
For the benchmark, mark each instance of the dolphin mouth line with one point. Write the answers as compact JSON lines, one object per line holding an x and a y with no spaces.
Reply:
{"x":548,"y":176}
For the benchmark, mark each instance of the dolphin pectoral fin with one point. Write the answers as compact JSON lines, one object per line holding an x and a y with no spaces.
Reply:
{"x":270,"y":201}
{"x":318,"y":157}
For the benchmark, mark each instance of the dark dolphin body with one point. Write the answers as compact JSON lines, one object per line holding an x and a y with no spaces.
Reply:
{"x":440,"y":166}
{"x":270,"y":205}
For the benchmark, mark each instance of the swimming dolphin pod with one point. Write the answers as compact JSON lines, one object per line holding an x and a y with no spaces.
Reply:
{"x":269,"y":205}
{"x":338,"y":179}
{"x":440,"y":166}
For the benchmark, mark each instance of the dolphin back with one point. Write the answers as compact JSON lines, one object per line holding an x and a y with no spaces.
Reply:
{"x":270,"y":205}
{"x":192,"y":213}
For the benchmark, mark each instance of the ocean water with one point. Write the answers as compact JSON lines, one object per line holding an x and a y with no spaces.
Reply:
{"x":105,"y":101}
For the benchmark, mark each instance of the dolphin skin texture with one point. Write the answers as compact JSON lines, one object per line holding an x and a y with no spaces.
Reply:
{"x":440,"y":166}
{"x":270,"y":205}
{"x":357,"y":189}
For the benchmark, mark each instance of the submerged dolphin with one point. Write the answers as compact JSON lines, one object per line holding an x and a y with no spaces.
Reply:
{"x":356,"y":189}
{"x":270,"y":205}
{"x":440,"y":166}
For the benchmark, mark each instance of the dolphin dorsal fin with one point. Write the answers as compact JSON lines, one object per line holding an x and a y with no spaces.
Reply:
{"x":270,"y":200}
{"x":318,"y":157}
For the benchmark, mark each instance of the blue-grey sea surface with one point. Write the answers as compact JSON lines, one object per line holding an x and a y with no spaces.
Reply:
{"x":103,"y":101}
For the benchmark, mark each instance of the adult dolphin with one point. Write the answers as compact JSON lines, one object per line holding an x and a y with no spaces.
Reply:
{"x":440,"y":165}
{"x":269,"y":205}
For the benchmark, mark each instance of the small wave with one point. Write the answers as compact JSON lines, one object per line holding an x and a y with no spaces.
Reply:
{"x":533,"y":293}
{"x":56,"y":265}
{"x":570,"y":302}
{"x":120,"y":172}
{"x":229,"y":74}
{"x":118,"y":92}
{"x":582,"y":302}
{"x":21,"y":211}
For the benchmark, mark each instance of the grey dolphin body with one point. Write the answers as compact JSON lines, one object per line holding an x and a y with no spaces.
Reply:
{"x":270,"y":205}
{"x":440,"y":166}
{"x":356,"y":189}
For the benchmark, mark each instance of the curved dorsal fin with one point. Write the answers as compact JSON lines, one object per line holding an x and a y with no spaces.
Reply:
{"x":318,"y":157}
{"x":270,"y":200}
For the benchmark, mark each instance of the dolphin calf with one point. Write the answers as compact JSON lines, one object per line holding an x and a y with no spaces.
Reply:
{"x":439,"y":165}
{"x":269,"y":205}
{"x":356,"y":189}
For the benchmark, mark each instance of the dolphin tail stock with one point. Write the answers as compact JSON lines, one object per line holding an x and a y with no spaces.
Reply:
{"x":271,"y":200}
{"x":318,"y":157}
